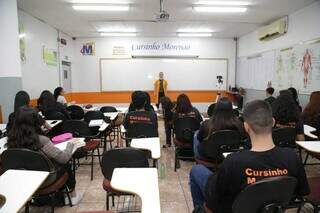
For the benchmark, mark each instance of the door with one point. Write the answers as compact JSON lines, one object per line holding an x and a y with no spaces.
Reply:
{"x":66,"y":76}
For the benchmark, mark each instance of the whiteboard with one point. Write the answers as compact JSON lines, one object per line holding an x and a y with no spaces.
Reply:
{"x":256,"y":71}
{"x":181,"y":74}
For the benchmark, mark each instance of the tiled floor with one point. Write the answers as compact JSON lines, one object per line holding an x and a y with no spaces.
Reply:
{"x":174,"y":189}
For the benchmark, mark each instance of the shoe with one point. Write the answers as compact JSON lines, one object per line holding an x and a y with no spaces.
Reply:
{"x":75,"y":200}
{"x":166,"y":146}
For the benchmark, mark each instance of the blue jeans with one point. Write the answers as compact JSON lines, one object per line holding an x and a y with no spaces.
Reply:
{"x":196,"y":143}
{"x":198,"y":178}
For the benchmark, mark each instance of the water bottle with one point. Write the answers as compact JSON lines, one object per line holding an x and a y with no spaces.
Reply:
{"x":162,"y":171}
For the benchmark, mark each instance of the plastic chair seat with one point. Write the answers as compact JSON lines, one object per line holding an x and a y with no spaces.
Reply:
{"x":91,"y":145}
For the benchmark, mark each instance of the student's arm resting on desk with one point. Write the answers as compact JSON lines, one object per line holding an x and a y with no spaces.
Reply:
{"x":55,"y":153}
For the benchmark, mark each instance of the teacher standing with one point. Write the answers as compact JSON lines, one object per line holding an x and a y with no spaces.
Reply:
{"x":160,"y":88}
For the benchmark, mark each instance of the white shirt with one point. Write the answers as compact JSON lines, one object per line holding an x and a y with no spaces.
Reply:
{"x":61,"y":99}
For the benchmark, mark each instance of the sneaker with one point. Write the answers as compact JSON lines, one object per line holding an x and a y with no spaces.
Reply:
{"x":75,"y":200}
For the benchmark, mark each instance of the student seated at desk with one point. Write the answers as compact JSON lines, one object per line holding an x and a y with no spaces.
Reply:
{"x":294,"y":94}
{"x":48,"y":105}
{"x":223,"y":119}
{"x":184,"y":108}
{"x":286,"y":113}
{"x":21,"y":99}
{"x":311,"y":112}
{"x":141,"y":116}
{"x":58,"y":95}
{"x":218,"y":191}
{"x":269,"y":92}
{"x":26,"y":133}
{"x":147,"y":107}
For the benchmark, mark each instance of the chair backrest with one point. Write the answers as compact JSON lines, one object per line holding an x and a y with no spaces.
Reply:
{"x":93,"y":115}
{"x":120,"y":158}
{"x":284,"y":137}
{"x":236,"y":112}
{"x":76,"y":112}
{"x":77,"y":128}
{"x":269,"y":195}
{"x":184,"y":129}
{"x":219,"y":142}
{"x":56,"y":116}
{"x":142,"y":130}
{"x":108,"y":109}
{"x":210,"y":109}
{"x":25,"y":159}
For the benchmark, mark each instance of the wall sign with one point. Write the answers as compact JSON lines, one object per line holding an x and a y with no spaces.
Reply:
{"x":88,"y":48}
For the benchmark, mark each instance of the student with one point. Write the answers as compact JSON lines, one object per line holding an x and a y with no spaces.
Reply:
{"x":286,"y":113}
{"x":140,"y":115}
{"x":48,"y":105}
{"x":184,"y":108}
{"x":223,"y":119}
{"x":21,"y":99}
{"x":26,"y":133}
{"x":295,"y":97}
{"x":148,"y":106}
{"x":167,"y":107}
{"x":219,"y":190}
{"x":311,"y":112}
{"x":269,"y":92}
{"x":59,"y":96}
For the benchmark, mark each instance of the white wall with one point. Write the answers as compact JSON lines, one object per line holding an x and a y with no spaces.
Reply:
{"x":36,"y":75}
{"x":10,"y":53}
{"x":85,"y":74}
{"x":303,"y":25}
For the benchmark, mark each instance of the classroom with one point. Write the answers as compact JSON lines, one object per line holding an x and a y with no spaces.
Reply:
{"x":160,"y":106}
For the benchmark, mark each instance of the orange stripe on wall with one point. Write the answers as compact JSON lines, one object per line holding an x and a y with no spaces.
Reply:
{"x":125,"y":97}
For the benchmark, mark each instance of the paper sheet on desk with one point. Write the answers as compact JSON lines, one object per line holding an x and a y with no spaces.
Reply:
{"x":63,"y":146}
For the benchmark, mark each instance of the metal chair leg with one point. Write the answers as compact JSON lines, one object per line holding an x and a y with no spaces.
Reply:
{"x":92,"y":164}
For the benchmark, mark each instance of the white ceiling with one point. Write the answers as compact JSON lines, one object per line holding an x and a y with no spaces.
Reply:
{"x":59,"y":13}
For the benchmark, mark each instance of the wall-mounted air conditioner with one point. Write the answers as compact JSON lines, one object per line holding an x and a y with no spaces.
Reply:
{"x":273,"y":30}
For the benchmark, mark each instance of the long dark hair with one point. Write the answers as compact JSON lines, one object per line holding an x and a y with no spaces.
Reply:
{"x":223,"y":116}
{"x":21,"y":99}
{"x":57,"y":92}
{"x":285,"y":109}
{"x":312,"y":110}
{"x":166,"y":103}
{"x":25,"y":130}
{"x":46,"y":100}
{"x":294,"y":94}
{"x":183,"y":104}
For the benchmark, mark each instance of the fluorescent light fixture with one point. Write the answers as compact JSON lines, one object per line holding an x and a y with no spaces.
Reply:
{"x":119,"y":34}
{"x":99,"y":2}
{"x":191,"y":30}
{"x":22,"y":35}
{"x":169,"y":60}
{"x":194,"y":34}
{"x":117,"y":30}
{"x":224,"y":3}
{"x":220,"y":9}
{"x":101,"y":7}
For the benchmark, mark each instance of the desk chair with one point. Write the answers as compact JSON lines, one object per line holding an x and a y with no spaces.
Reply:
{"x":81,"y":129}
{"x":120,"y":158}
{"x":284,"y":137}
{"x":76,"y":112}
{"x":26,"y":159}
{"x":116,"y":123}
{"x":97,"y":115}
{"x":218,"y":143}
{"x":266,"y":196}
{"x":140,"y":130}
{"x":184,"y":129}
{"x":56,"y":116}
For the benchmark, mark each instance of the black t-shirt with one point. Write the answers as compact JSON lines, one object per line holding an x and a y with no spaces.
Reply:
{"x":243,"y":168}
{"x":145,"y":122}
{"x":297,"y":125}
{"x":270,"y":100}
{"x":194,"y":113}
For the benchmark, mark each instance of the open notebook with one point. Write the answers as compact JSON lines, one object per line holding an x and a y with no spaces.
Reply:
{"x":62,"y":146}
